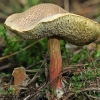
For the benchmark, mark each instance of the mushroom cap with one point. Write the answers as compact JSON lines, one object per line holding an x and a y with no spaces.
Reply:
{"x":47,"y":20}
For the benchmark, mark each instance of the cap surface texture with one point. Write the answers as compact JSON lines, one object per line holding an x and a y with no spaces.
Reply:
{"x":46,"y":20}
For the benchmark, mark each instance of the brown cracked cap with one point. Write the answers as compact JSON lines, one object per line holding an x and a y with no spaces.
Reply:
{"x":45,"y":20}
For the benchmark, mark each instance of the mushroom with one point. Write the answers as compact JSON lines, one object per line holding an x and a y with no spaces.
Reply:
{"x":49,"y":20}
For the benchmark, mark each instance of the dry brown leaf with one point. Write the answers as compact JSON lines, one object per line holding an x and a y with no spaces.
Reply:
{"x":19,"y":75}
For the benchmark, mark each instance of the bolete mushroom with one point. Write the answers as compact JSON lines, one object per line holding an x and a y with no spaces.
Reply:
{"x":49,"y":20}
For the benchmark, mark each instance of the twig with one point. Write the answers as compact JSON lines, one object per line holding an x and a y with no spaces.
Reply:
{"x":91,"y":59}
{"x":5,"y":66}
{"x":5,"y":57}
{"x":87,"y":95}
{"x":45,"y":66}
{"x":36,"y":93}
{"x":34,"y":64}
{"x":35,"y":76}
{"x":83,"y":90}
{"x":26,"y":98}
{"x":35,"y":70}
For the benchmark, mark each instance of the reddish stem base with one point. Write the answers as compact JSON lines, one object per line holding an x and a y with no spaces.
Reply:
{"x":55,"y":63}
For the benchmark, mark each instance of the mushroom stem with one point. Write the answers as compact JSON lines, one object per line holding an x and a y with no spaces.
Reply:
{"x":55,"y":62}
